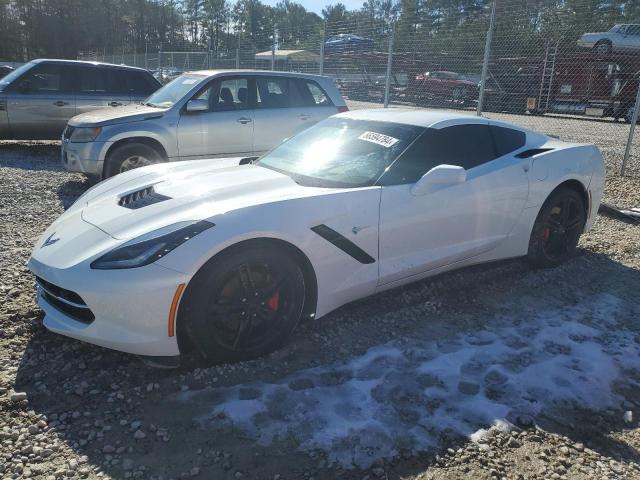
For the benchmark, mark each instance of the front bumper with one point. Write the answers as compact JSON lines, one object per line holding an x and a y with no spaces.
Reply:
{"x":131,"y":307}
{"x":87,"y":158}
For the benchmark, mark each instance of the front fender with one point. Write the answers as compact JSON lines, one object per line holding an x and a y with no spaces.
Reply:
{"x":341,"y":278}
{"x":162,"y":130}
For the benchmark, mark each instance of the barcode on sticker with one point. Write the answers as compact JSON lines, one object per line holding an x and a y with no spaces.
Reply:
{"x":379,"y":139}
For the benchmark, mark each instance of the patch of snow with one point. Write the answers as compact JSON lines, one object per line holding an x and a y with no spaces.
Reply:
{"x":404,"y":395}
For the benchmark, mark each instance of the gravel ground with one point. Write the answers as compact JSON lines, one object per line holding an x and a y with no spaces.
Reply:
{"x":72,"y":410}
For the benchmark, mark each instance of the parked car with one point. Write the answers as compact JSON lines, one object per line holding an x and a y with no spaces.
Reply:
{"x":442,"y":86}
{"x":226,"y":258}
{"x":346,"y":42}
{"x":620,"y":39}
{"x":5,"y":70}
{"x":201,"y":114}
{"x":38,"y":98}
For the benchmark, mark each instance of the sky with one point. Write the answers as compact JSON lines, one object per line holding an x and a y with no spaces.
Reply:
{"x":317,"y":5}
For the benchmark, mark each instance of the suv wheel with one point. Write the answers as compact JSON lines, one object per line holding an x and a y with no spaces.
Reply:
{"x":130,"y":156}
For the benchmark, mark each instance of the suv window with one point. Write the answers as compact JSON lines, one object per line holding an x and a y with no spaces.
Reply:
{"x":226,"y":95}
{"x":49,"y":78}
{"x":464,"y":145}
{"x":309,"y":94}
{"x":140,"y":83}
{"x":92,"y":80}
{"x":273,"y":92}
{"x":507,"y":139}
{"x":633,"y":30}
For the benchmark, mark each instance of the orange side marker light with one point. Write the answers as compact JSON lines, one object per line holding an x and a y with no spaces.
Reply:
{"x":174,"y":309}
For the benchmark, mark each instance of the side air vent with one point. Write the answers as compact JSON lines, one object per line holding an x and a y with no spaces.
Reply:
{"x":532,"y":152}
{"x":141,"y":198}
{"x":3,"y":106}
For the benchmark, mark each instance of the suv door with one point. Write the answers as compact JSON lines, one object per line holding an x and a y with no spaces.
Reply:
{"x":226,"y":128}
{"x":280,"y":112}
{"x":455,"y":222}
{"x":41,"y":101}
{"x":100,"y":87}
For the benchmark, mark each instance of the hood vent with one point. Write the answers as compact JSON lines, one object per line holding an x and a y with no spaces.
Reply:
{"x":141,"y":198}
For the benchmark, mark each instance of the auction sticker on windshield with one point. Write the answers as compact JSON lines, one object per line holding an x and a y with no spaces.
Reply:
{"x":379,"y":139}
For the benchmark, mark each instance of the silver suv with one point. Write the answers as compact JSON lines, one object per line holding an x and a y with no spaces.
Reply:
{"x":38,"y":99}
{"x":201,"y":114}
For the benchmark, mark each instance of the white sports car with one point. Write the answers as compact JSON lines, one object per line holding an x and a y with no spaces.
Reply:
{"x":225,"y":257}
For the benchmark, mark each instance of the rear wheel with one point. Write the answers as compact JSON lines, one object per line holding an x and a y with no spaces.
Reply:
{"x":244,"y":304}
{"x":557,"y":229}
{"x":130,"y":156}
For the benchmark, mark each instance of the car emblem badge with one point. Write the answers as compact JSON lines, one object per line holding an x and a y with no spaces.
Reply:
{"x":50,"y":240}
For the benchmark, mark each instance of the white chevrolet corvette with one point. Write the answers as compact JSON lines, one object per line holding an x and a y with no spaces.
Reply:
{"x":225,"y":257}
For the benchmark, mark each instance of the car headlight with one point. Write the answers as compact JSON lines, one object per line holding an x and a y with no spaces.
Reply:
{"x":85,"y":134}
{"x":150,"y":247}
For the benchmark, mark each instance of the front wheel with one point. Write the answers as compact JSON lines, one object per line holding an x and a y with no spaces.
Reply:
{"x":557,"y":229}
{"x":130,"y":156}
{"x":243,"y":304}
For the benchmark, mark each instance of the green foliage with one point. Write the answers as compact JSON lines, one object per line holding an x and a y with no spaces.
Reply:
{"x":68,"y":28}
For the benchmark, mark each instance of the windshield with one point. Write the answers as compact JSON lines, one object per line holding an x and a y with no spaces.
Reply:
{"x":341,"y":153}
{"x":173,"y":91}
{"x":10,"y":77}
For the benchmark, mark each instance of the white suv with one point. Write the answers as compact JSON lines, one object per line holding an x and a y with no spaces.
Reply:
{"x":202,"y":114}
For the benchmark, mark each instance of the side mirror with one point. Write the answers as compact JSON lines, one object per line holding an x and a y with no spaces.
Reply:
{"x":440,"y":176}
{"x":197,"y":105}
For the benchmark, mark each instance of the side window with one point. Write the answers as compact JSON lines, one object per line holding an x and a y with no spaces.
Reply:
{"x":414,"y":162}
{"x":273,"y":92}
{"x":116,"y":81}
{"x":226,"y":95}
{"x":139,"y":83}
{"x":92,"y":80}
{"x":507,"y":140}
{"x":464,"y":145}
{"x":309,"y":94}
{"x":633,"y":30}
{"x":49,"y":78}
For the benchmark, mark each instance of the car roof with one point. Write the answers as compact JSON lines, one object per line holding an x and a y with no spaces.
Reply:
{"x":419,"y":118}
{"x":270,"y":73}
{"x":57,"y":61}
{"x":427,"y":118}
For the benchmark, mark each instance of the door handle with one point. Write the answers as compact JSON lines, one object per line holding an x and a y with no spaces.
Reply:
{"x":304,"y":116}
{"x":60,"y":103}
{"x":244,"y":120}
{"x":115,"y":104}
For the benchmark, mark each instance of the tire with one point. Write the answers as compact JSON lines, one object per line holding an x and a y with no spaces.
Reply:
{"x":557,"y":229}
{"x":130,"y":156}
{"x":243,"y":304}
{"x":603,"y":47}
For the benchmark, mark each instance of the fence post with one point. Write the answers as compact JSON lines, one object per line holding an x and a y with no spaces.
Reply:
{"x":238,"y":56}
{"x":634,"y":120}
{"x":485,"y":61}
{"x":387,"y":80}
{"x":322,"y":40}
{"x":273,"y":49}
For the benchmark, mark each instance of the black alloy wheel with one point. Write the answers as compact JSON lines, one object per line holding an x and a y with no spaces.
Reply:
{"x":245,"y":304}
{"x":557,"y":229}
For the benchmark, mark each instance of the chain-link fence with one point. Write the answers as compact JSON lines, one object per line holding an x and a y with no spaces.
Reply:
{"x":528,"y":62}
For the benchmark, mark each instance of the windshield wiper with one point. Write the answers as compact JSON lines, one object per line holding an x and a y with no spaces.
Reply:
{"x":152,"y":105}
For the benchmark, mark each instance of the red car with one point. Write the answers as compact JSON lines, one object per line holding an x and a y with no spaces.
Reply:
{"x":443,"y":85}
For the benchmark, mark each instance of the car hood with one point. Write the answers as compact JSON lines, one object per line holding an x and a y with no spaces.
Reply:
{"x":111,"y":115}
{"x":161,"y":195}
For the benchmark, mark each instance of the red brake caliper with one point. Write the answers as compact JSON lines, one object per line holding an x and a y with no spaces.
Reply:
{"x":546,"y":233}
{"x":274,"y":301}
